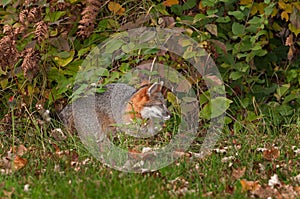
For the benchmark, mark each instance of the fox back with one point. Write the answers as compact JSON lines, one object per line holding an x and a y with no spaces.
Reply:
{"x":121,"y":104}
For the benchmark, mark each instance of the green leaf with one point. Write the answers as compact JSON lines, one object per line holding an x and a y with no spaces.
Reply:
{"x":285,"y":110}
{"x":199,"y":17}
{"x":235,"y":75}
{"x":294,"y":29}
{"x":212,"y":28}
{"x":5,"y":2}
{"x":53,"y":16}
{"x":189,"y":99}
{"x":189,"y":53}
{"x":219,"y":106}
{"x":84,"y":51}
{"x":237,"y":126}
{"x":237,"y":14}
{"x":237,"y":29}
{"x":282,"y":90}
{"x":269,"y":9}
{"x":256,"y":21}
{"x":177,"y":9}
{"x":205,"y":112}
{"x":189,"y":4}
{"x":128,"y":47}
{"x":64,"y":58}
{"x":251,"y":116}
{"x":113,"y":45}
{"x":209,"y":3}
{"x":223,"y":19}
{"x":4,"y":83}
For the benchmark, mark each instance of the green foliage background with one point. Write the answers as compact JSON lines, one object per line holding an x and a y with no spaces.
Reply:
{"x":254,"y":44}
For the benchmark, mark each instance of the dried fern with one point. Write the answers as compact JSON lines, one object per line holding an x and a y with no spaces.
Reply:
{"x":9,"y":55}
{"x":30,"y":63}
{"x":89,"y":14}
{"x":41,"y":31}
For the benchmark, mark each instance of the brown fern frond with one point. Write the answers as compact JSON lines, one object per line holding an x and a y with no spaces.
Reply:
{"x":30,"y":63}
{"x":89,"y":14}
{"x":9,"y":55}
{"x":23,"y":17}
{"x":34,"y":14}
{"x":41,"y":31}
{"x":8,"y":30}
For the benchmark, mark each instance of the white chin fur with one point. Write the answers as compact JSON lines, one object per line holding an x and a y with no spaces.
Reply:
{"x":149,"y":112}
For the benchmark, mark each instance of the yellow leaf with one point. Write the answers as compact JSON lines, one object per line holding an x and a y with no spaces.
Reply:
{"x":285,"y":15}
{"x":249,"y":185}
{"x":274,"y":13}
{"x":169,"y":3}
{"x":297,"y":5}
{"x":66,"y":59}
{"x":245,"y":2}
{"x":287,"y":7}
{"x":19,"y":163}
{"x":200,"y":6}
{"x":258,"y":7}
{"x":116,"y":8}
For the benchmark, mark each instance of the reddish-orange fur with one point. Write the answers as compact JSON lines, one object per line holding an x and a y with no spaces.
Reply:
{"x":137,"y":102}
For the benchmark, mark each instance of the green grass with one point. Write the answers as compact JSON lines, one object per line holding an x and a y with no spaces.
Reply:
{"x":67,"y":174}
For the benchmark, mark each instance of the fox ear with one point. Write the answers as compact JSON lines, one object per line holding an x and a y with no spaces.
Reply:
{"x":155,"y":87}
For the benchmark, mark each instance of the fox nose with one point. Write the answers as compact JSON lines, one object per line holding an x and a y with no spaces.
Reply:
{"x":166,"y":115}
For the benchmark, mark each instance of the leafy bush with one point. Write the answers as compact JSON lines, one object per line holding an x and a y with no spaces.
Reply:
{"x":255,"y":45}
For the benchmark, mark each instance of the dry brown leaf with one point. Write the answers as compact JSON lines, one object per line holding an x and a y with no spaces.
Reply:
{"x":8,"y":194}
{"x":291,"y":53}
{"x":169,"y":3}
{"x":20,"y":150}
{"x":116,"y":8}
{"x":249,"y":185}
{"x":238,"y":173}
{"x":265,"y":192}
{"x":271,"y":154}
{"x":19,"y":163}
{"x":274,"y":181}
{"x":289,"y":40}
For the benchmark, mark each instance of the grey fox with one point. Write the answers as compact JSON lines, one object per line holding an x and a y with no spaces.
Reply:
{"x":121,"y":104}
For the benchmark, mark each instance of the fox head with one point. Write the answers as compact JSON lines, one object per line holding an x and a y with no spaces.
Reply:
{"x":148,"y":102}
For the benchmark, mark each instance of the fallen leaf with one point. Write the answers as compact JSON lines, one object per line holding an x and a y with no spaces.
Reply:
{"x":265,"y":192}
{"x":296,"y":150}
{"x":238,"y":173}
{"x":26,"y":187}
{"x":169,"y":3}
{"x":297,"y":178}
{"x":249,"y":185}
{"x":227,"y":159}
{"x":21,"y":150}
{"x":271,"y":154}
{"x":274,"y":181}
{"x":8,"y":194}
{"x":19,"y":163}
{"x":116,"y":8}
